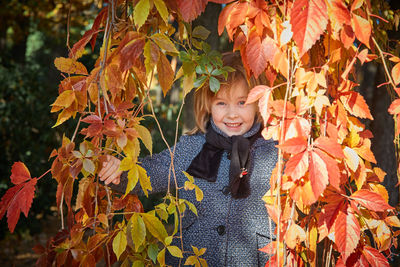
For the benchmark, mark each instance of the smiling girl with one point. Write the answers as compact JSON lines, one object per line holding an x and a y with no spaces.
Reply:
{"x":231,"y":164}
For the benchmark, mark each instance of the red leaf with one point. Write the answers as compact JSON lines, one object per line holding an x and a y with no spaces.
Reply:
{"x":318,"y":174}
{"x":340,"y":12}
{"x":374,"y":257}
{"x":221,"y":1}
{"x":130,"y":51}
{"x":90,"y":35}
{"x":330,"y":146}
{"x":16,"y":200}
{"x":255,"y":54}
{"x":309,"y":19}
{"x":224,"y":17}
{"x":395,"y":107}
{"x":19,"y":173}
{"x":332,"y":167}
{"x":362,"y":29}
{"x":356,"y":105}
{"x":330,"y":212}
{"x":256,"y":93}
{"x":191,"y":9}
{"x":347,"y":232}
{"x":294,"y":145}
{"x":297,"y":166}
{"x":370,"y":200}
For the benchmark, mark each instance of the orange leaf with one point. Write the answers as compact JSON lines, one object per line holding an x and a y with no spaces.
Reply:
{"x":191,"y":9}
{"x":370,"y":200}
{"x":261,"y":93}
{"x":309,"y":19}
{"x":165,"y":73}
{"x":294,"y":145}
{"x":297,"y":166}
{"x":318,"y":174}
{"x":256,"y":93}
{"x":347,"y":36}
{"x":330,"y":146}
{"x":303,"y":192}
{"x":374,"y":257}
{"x":362,"y":29}
{"x":340,"y":12}
{"x":132,"y":47}
{"x":347,"y":232}
{"x":19,"y":173}
{"x":355,"y":104}
{"x":332,"y":167}
{"x":70,"y":66}
{"x":64,"y":100}
{"x":255,"y":54}
{"x":224,"y":17}
{"x":395,"y":107}
{"x":396,"y":73}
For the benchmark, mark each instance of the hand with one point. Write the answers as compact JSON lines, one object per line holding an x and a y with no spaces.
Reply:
{"x":110,"y":172}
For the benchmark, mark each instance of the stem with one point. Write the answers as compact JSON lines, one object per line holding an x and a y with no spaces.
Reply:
{"x":76,"y":129}
{"x":41,"y":176}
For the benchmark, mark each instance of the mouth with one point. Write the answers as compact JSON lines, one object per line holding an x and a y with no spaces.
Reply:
{"x":233,"y":125}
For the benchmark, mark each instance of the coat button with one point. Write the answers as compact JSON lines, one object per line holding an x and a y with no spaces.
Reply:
{"x":221,"y":229}
{"x":225,"y":190}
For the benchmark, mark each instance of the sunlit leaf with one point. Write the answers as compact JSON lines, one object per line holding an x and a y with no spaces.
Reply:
{"x":138,"y":231}
{"x":347,"y":232}
{"x":119,"y":243}
{"x":141,"y":12}
{"x":370,"y":200}
{"x":162,"y":10}
{"x":70,"y":66}
{"x":154,"y":226}
{"x":175,"y":251}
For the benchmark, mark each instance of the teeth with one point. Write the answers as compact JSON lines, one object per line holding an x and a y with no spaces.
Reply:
{"x":232,"y":124}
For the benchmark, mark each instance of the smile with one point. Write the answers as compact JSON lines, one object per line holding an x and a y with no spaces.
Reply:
{"x":233,"y":124}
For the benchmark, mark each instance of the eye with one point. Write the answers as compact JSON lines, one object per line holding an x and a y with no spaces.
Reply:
{"x":241,"y":103}
{"x":220,"y":103}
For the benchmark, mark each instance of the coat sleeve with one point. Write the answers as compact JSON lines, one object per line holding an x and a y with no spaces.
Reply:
{"x":160,"y":169}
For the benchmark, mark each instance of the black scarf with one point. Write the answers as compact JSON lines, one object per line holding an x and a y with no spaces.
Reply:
{"x":206,"y":164}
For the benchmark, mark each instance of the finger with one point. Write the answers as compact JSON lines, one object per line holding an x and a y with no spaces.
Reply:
{"x":103,"y":163}
{"x":111,"y":167}
{"x":113,"y":178}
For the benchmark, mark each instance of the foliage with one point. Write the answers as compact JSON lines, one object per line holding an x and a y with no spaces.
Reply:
{"x":324,"y":189}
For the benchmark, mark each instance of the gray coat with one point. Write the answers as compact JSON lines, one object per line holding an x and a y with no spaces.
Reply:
{"x":231,"y":229}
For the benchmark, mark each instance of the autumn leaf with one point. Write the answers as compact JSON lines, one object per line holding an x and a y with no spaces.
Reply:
{"x":294,"y":235}
{"x":19,"y":198}
{"x":191,"y":9}
{"x":374,"y":257}
{"x":19,"y":173}
{"x":294,"y":145}
{"x":332,"y":167}
{"x":119,"y":243}
{"x":154,"y":226}
{"x":255,"y":54}
{"x":164,"y":43}
{"x":394,"y":108}
{"x":370,"y":200}
{"x":330,"y":146}
{"x":70,"y":66}
{"x":297,"y":166}
{"x":396,"y":73}
{"x":347,"y":232}
{"x":309,"y":19}
{"x":261,"y":93}
{"x":362,"y":29}
{"x":318,"y":173}
{"x":356,"y":105}
{"x":165,"y":73}
{"x":141,"y":12}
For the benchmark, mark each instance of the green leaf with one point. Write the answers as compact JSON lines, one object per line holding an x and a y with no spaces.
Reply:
{"x":141,"y":12}
{"x":199,"y":82}
{"x":214,"y":84}
{"x":217,"y":72}
{"x":200,"y":32}
{"x":162,"y":10}
{"x":164,"y":42}
{"x":138,"y":231}
{"x":145,"y":135}
{"x":152,"y":252}
{"x":154,"y":226}
{"x":144,"y":180}
{"x":201,"y":70}
{"x":119,"y":243}
{"x":175,"y":251}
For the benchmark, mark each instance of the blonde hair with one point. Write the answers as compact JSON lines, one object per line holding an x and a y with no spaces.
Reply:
{"x":203,"y":97}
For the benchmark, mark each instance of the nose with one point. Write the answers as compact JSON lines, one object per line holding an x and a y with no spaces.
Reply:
{"x":232,"y":112}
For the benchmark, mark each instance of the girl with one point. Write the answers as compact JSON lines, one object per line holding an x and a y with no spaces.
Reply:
{"x":231,"y":163}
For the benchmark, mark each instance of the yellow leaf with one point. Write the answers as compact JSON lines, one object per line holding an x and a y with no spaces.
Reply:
{"x":354,"y":138}
{"x":119,"y":243}
{"x":70,"y":66}
{"x":192,"y":207}
{"x":351,"y":158}
{"x":162,"y":10}
{"x":138,"y":264}
{"x":133,"y":176}
{"x":188,"y":83}
{"x":138,"y":230}
{"x":154,"y":226}
{"x":188,"y":186}
{"x":294,"y":236}
{"x":151,"y":56}
{"x":126,"y":164}
{"x":199,"y":193}
{"x":161,"y":257}
{"x":144,"y":180}
{"x":63,"y":116}
{"x":145,"y":135}
{"x":164,"y":43}
{"x":141,"y":12}
{"x":393,"y":221}
{"x":132,"y":148}
{"x":192,"y":260}
{"x":175,"y":251}
{"x":65,"y":99}
{"x":190,"y":177}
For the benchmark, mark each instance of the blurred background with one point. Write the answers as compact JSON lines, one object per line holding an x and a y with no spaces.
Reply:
{"x":32,"y":34}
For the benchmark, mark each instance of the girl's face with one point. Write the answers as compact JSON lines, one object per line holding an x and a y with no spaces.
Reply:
{"x":229,"y":112}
